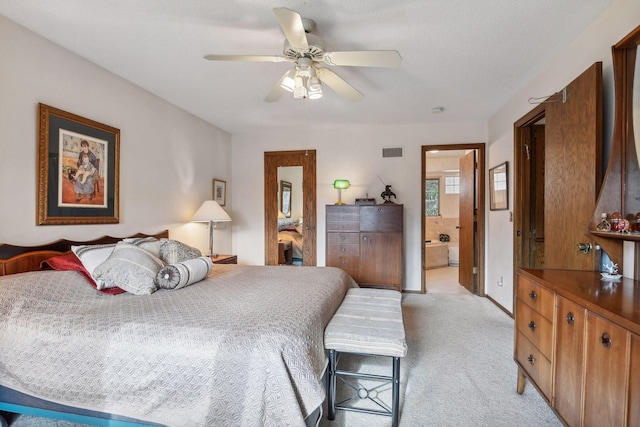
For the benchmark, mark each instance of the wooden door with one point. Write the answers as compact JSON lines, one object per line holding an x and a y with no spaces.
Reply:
{"x":273,"y":160}
{"x":569,"y":361}
{"x":466,"y":276}
{"x":572,"y":171}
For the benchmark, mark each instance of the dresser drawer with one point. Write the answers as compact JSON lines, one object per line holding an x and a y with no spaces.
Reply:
{"x":349,"y":264}
{"x":343,"y":238}
{"x":537,"y":329}
{"x":343,"y":226}
{"x":343,"y":213}
{"x":343,"y":250}
{"x":536,"y":297}
{"x":534,"y":363}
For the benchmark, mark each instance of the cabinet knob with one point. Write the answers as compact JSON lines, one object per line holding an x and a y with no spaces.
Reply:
{"x":570,"y":318}
{"x":606,"y":340}
{"x":532,"y":325}
{"x":342,"y":237}
{"x":531,"y":359}
{"x":533,"y":295}
{"x":364,"y":237}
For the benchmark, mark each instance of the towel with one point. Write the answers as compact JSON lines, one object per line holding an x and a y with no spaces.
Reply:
{"x":185,"y":273}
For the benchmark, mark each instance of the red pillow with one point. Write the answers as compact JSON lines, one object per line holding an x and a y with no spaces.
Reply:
{"x":70,"y":262}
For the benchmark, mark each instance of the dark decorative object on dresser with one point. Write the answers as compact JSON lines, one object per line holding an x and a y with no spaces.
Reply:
{"x":225,"y":259}
{"x":367,"y":242}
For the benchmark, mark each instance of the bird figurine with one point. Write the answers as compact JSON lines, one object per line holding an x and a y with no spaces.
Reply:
{"x":387,"y":194}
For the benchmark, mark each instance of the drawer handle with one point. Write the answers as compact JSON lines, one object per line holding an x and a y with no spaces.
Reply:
{"x":533,"y":295}
{"x":606,"y":340}
{"x":532,"y":325}
{"x":570,"y":318}
{"x":380,"y":210}
{"x":343,"y":249}
{"x":531,"y":359}
{"x":364,"y":237}
{"x":342,"y":237}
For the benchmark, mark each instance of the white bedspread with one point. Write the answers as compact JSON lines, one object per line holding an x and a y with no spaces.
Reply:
{"x":242,"y":348}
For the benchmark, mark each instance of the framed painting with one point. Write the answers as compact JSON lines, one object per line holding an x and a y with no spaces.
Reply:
{"x":499,"y":187}
{"x":78,"y":169}
{"x":220,"y":191}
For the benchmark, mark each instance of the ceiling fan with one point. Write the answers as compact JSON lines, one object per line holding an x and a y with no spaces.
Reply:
{"x":307,"y":52}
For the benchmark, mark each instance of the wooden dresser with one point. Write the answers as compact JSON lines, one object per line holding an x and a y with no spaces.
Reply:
{"x":367,"y":242}
{"x":577,"y":338}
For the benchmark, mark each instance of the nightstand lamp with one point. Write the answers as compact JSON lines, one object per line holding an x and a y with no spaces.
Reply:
{"x":211,"y":212}
{"x":341,"y":184}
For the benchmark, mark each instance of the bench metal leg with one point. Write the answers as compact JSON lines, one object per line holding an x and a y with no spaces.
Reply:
{"x":332,"y":386}
{"x":395,"y":409}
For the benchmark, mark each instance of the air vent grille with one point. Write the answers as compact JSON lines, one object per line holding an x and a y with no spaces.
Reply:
{"x":392,"y":152}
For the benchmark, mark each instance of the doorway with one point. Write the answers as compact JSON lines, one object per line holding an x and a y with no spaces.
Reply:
{"x":454,"y":232}
{"x":306,"y":220}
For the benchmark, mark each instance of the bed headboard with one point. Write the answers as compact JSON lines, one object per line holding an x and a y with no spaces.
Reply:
{"x":19,"y":259}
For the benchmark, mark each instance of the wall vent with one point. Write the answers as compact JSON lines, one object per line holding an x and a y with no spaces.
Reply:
{"x":392,"y":152}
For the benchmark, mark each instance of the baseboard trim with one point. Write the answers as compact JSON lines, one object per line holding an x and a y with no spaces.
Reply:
{"x":499,"y":306}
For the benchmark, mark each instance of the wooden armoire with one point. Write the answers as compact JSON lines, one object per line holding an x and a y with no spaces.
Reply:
{"x":367,"y":242}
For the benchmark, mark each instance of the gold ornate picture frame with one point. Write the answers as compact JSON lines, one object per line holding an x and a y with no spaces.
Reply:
{"x":78,"y":169}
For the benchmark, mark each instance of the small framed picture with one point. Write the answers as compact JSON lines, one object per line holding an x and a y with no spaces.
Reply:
{"x":499,"y":187}
{"x":220,"y":191}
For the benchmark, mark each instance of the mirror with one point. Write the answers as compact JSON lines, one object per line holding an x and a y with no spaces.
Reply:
{"x":285,"y":199}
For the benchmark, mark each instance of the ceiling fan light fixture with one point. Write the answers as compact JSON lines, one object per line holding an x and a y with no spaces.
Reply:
{"x":288,"y":84}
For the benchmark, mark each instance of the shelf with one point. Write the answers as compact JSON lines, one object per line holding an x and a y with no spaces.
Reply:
{"x":634,"y":236}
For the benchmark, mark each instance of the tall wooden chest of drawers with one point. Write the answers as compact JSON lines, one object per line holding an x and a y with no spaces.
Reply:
{"x":367,"y":242}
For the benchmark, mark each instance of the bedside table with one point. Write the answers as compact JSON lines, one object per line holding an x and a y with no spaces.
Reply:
{"x":225,"y":259}
{"x":285,"y":252}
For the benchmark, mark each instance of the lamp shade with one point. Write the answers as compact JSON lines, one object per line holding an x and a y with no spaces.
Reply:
{"x":341,"y":184}
{"x":211,"y":211}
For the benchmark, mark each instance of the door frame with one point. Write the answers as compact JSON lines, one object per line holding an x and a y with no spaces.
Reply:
{"x":481,"y":209}
{"x":272,"y":161}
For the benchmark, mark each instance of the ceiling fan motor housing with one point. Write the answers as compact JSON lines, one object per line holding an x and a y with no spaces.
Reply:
{"x":315,"y":51}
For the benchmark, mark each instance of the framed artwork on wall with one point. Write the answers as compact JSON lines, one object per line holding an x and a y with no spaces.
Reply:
{"x":220,"y":191}
{"x":499,"y":187}
{"x":78,"y":169}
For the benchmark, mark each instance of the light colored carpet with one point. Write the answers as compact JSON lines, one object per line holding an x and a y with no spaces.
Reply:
{"x":459,"y":370}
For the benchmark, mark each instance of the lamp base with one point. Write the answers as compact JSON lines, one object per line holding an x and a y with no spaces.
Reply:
{"x":340,"y":202}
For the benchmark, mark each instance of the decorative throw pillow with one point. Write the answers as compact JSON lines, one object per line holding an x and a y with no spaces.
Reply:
{"x":131,"y":268}
{"x":150,"y":244}
{"x":181,"y":274}
{"x":92,"y":256}
{"x":70,"y":262}
{"x":173,"y":251}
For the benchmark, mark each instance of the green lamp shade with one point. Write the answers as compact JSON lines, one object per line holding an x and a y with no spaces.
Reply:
{"x":341,"y":184}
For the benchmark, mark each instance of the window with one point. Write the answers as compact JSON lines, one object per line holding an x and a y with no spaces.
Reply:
{"x":432,"y":197}
{"x":451,"y":185}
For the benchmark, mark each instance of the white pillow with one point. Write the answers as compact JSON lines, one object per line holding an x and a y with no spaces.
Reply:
{"x":92,"y":256}
{"x":174,"y":251}
{"x":131,"y":268}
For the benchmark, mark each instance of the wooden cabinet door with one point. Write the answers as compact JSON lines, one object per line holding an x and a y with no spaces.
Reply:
{"x":568,"y":362}
{"x":381,"y":259}
{"x":606,"y":369}
{"x":633,"y":400}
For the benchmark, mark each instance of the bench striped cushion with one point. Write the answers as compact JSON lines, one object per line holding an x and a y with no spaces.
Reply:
{"x":369,"y":321}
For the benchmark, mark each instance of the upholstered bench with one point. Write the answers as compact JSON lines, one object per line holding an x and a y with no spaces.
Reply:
{"x":368,"y":322}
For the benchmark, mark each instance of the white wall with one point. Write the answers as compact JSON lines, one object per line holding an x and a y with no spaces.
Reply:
{"x":352,"y":153}
{"x":167,"y":156}
{"x":593,"y":45}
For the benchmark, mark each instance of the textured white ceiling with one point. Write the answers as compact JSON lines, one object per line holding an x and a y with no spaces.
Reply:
{"x":467,"y":56}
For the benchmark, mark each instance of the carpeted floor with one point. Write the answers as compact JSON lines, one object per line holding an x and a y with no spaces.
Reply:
{"x":459,"y":370}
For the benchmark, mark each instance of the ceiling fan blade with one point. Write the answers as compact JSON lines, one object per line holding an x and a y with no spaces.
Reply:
{"x":291,"y":24}
{"x":340,"y":86}
{"x":254,"y":58}
{"x":277,"y":90}
{"x":364,"y":58}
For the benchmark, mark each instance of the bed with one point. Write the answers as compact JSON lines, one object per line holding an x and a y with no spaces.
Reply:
{"x":293,"y":234}
{"x":238,"y":348}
